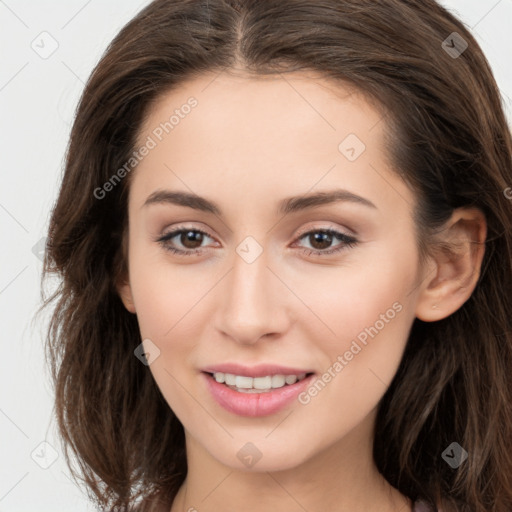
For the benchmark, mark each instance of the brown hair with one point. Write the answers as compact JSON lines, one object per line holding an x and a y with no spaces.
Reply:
{"x":449,"y":140}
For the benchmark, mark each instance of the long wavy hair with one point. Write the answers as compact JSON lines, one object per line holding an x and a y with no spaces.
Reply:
{"x":448,"y":139}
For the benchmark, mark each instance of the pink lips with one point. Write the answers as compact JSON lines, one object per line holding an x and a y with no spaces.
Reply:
{"x":255,"y":404}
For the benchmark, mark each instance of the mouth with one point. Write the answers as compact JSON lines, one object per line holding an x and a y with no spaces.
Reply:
{"x":263,"y":384}
{"x":255,"y":396}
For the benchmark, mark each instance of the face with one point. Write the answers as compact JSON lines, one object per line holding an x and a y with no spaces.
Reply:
{"x":299,"y":257}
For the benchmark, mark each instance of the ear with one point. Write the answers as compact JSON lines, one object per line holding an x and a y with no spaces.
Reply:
{"x":455,"y":265}
{"x":121,"y":277}
{"x":125,"y":293}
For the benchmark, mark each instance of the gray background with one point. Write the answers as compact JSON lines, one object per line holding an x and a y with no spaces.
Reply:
{"x":38,"y":97}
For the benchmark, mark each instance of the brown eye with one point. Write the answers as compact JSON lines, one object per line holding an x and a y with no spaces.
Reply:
{"x":320,"y":240}
{"x":184,"y":241}
{"x":191,"y":239}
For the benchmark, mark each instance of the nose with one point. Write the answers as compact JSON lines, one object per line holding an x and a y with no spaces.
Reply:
{"x":253,"y":302}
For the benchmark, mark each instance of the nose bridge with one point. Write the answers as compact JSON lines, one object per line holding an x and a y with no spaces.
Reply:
{"x":251,"y":304}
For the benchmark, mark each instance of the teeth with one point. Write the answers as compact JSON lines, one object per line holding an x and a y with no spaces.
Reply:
{"x":256,"y":384}
{"x":278,"y":381}
{"x":261,"y":382}
{"x":243,"y":382}
{"x":291,"y":379}
{"x":229,"y":379}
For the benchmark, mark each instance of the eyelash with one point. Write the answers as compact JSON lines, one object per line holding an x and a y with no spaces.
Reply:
{"x":347,"y":241}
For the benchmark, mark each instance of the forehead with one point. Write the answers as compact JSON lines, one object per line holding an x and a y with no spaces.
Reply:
{"x":236,"y":101}
{"x":263,"y":134}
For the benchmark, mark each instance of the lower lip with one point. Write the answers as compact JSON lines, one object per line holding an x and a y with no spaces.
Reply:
{"x":255,"y":404}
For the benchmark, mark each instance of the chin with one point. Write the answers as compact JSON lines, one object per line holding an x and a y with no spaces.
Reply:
{"x":258,"y":457}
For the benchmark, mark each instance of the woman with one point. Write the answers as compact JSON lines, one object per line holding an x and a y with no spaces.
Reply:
{"x":284,"y":237}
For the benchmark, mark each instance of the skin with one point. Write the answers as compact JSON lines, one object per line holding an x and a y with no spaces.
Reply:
{"x":249,"y":143}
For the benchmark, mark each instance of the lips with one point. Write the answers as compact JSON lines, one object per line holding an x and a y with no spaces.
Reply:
{"x":250,"y":403}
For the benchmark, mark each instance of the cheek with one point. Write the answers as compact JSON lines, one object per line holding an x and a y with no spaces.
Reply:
{"x":371,"y":321}
{"x":165,"y":293}
{"x":369,"y":310}
{"x":350,"y":299}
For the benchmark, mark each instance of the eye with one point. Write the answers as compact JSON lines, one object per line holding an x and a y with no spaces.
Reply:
{"x":321,"y":239}
{"x":189,"y":238}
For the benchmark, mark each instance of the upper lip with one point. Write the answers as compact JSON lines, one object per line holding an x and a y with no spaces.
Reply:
{"x":260,"y":370}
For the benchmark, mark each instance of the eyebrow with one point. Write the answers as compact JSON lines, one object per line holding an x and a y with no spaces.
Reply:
{"x":285,"y":206}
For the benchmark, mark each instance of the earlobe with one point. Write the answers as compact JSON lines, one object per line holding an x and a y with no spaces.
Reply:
{"x":456,"y":266}
{"x":125,"y":293}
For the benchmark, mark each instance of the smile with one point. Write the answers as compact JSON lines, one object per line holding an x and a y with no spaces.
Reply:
{"x":255,"y":396}
{"x":264,"y":384}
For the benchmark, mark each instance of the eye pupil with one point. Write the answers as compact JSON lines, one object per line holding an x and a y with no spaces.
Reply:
{"x":188,"y":237}
{"x":325,"y":239}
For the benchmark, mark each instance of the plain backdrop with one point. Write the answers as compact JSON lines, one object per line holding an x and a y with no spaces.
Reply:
{"x":38,"y":97}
